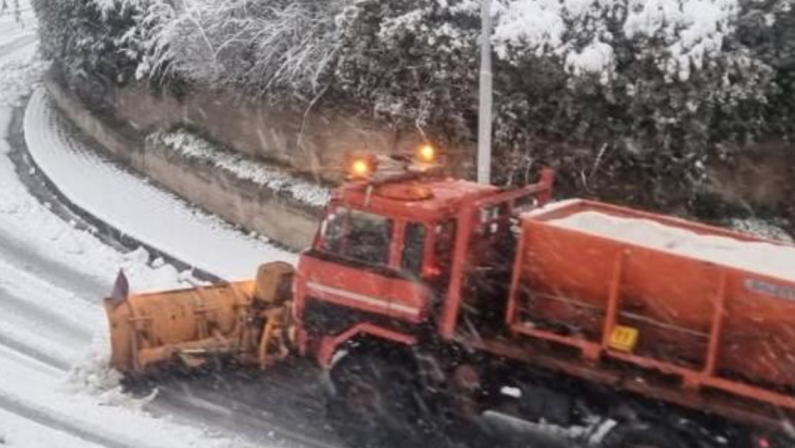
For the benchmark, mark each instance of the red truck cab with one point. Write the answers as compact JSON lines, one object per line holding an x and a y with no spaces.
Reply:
{"x":385,"y":252}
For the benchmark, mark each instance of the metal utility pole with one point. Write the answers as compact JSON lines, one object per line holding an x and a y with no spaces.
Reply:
{"x":486,"y":97}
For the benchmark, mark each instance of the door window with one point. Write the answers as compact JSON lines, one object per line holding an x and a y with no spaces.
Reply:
{"x":413,"y":247}
{"x":444,"y":247}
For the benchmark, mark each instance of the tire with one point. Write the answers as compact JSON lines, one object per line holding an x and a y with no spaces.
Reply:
{"x":373,"y":404}
{"x":643,"y":435}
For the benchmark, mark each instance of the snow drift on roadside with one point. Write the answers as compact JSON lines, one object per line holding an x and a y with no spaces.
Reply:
{"x":197,"y":148}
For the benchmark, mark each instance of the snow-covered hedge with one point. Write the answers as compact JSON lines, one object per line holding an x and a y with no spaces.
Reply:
{"x":629,"y":97}
{"x":89,"y":45}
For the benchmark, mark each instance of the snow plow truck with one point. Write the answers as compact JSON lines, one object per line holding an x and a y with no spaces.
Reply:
{"x":429,"y":301}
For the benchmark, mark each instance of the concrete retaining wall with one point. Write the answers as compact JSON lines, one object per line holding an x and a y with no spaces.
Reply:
{"x":315,"y":141}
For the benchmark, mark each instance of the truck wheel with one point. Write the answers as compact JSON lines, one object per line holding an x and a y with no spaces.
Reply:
{"x":372,"y":404}
{"x":642,"y":435}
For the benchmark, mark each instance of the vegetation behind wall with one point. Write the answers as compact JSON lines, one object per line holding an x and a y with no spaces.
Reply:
{"x":631,"y":100}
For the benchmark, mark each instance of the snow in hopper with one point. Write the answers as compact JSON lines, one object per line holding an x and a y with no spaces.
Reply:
{"x":760,"y":257}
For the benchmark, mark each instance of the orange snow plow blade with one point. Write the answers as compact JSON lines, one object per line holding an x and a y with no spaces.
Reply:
{"x":248,"y":321}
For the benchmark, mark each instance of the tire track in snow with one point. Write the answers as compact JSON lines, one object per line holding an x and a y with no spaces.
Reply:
{"x":62,"y":423}
{"x":16,"y":430}
{"x":55,"y":273}
{"x":38,"y":302}
{"x":32,"y":311}
{"x":40,"y":320}
{"x":18,"y":357}
{"x":33,"y":339}
{"x":240,"y":412}
{"x":32,"y":352}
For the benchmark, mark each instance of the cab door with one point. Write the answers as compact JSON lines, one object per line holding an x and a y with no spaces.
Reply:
{"x":359,"y":263}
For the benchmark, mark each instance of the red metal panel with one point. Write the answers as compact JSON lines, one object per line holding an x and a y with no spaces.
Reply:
{"x":759,"y":328}
{"x":452,"y":304}
{"x":358,"y":288}
{"x":466,"y":226}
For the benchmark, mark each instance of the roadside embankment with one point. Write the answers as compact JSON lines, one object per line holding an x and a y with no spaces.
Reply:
{"x":241,"y":189}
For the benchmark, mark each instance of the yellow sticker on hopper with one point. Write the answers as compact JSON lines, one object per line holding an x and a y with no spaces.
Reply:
{"x":624,"y":339}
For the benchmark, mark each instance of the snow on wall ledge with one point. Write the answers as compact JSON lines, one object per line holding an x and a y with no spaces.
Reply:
{"x":195,"y":147}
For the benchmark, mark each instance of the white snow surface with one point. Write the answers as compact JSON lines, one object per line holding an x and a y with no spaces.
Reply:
{"x":49,"y":405}
{"x":47,"y":329}
{"x":136,"y":207}
{"x":24,"y":433}
{"x":598,"y":57}
{"x":693,"y":29}
{"x":759,"y":257}
{"x":191,"y":145}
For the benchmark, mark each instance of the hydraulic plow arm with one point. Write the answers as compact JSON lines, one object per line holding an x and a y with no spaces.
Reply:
{"x":248,"y":321}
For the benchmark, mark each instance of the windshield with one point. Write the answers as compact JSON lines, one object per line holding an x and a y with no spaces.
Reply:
{"x":358,"y":236}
